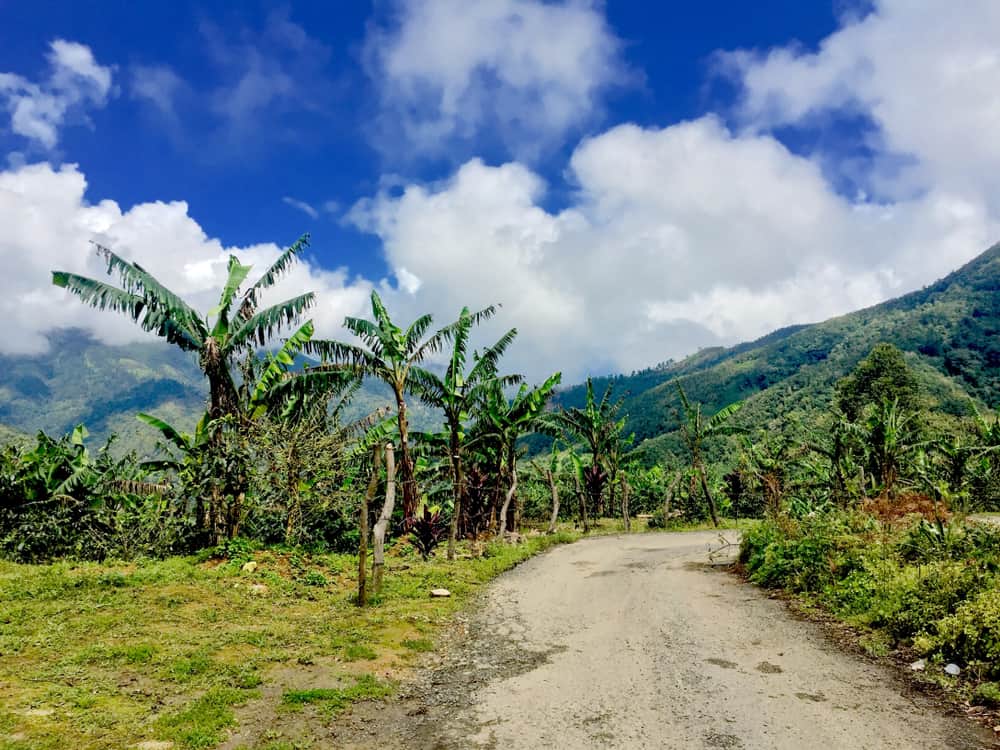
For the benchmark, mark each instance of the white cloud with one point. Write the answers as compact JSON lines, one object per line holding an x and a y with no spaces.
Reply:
{"x":302,"y":206}
{"x":679,"y":237}
{"x":159,"y":85}
{"x":528,"y":71}
{"x":926,"y":72}
{"x":38,"y":110}
{"x":49,"y":224}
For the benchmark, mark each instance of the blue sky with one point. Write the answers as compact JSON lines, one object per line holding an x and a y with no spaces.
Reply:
{"x":634,"y":180}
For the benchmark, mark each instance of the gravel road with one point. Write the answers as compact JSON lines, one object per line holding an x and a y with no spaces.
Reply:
{"x":639,"y":642}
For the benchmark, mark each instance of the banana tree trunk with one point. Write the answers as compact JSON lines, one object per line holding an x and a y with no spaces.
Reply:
{"x":625,"y":509}
{"x":511,"y":491}
{"x":582,"y":498}
{"x":406,"y":471}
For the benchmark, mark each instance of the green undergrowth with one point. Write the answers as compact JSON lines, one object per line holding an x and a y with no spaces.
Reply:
{"x":111,"y":655}
{"x":930,"y":587}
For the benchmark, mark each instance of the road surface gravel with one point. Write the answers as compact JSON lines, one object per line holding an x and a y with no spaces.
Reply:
{"x":644,"y":641}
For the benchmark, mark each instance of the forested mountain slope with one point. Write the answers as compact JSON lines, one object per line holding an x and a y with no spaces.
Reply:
{"x":81,"y":380}
{"x":947,"y":330}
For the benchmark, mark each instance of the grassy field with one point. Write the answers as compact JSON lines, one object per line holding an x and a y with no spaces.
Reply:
{"x":191,"y":652}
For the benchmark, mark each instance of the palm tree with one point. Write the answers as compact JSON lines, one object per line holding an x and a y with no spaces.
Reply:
{"x":597,"y":424}
{"x":392,"y":354}
{"x":239,"y":326}
{"x":456,"y":392}
{"x":503,"y":422}
{"x":696,"y":429}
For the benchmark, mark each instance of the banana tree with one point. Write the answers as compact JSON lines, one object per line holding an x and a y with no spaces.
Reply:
{"x":456,"y":392}
{"x":392,"y":354}
{"x":504,"y":421}
{"x":696,"y":428}
{"x":598,"y":426}
{"x":233,"y":327}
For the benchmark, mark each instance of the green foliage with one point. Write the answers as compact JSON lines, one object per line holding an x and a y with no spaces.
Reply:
{"x":930,"y":584}
{"x":334,"y":700}
{"x":882,"y":377}
{"x":987,"y":694}
{"x":971,"y":634}
{"x":57,"y":499}
{"x":201,"y":725}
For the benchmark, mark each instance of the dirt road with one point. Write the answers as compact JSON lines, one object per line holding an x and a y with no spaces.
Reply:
{"x":634,"y":642}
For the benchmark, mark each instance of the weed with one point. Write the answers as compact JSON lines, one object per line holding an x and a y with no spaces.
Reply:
{"x":357,"y":652}
{"x":334,"y":700}
{"x":420,"y":645}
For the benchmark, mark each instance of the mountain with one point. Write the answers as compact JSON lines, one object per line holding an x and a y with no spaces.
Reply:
{"x":81,"y":380}
{"x":948,"y":332}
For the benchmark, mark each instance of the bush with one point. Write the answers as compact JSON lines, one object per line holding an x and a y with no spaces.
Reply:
{"x":987,"y":694}
{"x":971,"y":635}
{"x":806,"y":554}
{"x":919,"y":597}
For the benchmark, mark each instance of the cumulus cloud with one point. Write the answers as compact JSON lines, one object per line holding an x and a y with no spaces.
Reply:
{"x":528,"y":71}
{"x":678,"y":237}
{"x":49,"y":224}
{"x":924,"y":73}
{"x":39,"y":109}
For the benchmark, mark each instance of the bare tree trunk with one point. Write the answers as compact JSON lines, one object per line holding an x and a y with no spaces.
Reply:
{"x":456,"y":469}
{"x":378,"y":556}
{"x":625,"y":510}
{"x":363,"y":527}
{"x":506,"y":503}
{"x":581,"y":497}
{"x":671,"y":489}
{"x":554,"y":487}
{"x":708,"y":495}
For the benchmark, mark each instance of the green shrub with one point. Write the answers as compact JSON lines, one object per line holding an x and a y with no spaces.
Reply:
{"x":805,"y":554}
{"x":971,"y":635}
{"x":987,"y":694}
{"x":918,"y":597}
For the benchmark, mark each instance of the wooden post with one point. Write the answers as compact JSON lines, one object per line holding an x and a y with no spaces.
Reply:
{"x":363,"y":524}
{"x":378,"y":556}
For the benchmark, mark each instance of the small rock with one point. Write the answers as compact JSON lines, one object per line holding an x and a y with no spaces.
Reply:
{"x":953,"y":669}
{"x":919,"y":665}
{"x":259,"y":588}
{"x":249,"y":567}
{"x":440,"y":593}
